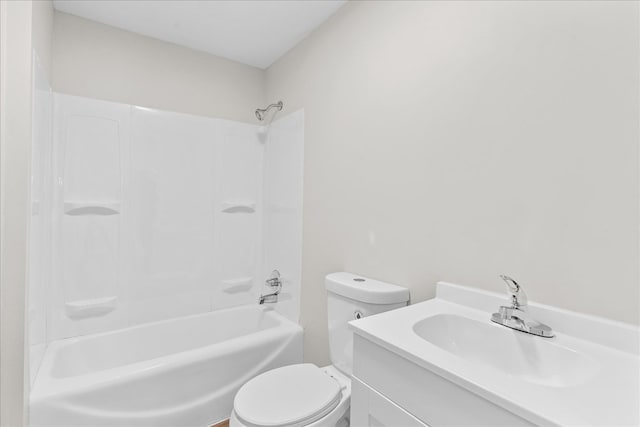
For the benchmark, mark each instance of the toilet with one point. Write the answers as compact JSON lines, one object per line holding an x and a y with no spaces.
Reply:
{"x":304,"y":394}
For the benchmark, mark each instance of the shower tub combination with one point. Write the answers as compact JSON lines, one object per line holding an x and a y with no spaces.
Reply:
{"x":180,"y":372}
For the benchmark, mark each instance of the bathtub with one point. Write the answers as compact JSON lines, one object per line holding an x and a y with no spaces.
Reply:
{"x":176,"y":373}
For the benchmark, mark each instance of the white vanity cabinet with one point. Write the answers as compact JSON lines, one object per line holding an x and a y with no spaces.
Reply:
{"x":389,"y":390}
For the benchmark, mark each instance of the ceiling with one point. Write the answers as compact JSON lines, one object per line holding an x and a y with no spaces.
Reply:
{"x":252,"y":32}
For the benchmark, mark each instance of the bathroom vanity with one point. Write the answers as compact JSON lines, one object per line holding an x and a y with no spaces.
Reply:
{"x":443,"y":362}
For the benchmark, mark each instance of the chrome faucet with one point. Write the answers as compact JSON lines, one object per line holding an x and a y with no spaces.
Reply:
{"x":275,"y":282}
{"x":516,"y":293}
{"x":516,"y":316}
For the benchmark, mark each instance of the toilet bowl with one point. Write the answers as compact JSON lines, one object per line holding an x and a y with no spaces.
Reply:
{"x":304,"y":394}
{"x":294,"y":396}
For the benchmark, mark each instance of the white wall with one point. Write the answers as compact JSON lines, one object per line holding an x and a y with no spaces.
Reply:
{"x":40,"y":249}
{"x":460,"y":140}
{"x":24,"y":27}
{"x":99,"y":61}
{"x":15,"y":127}
{"x":39,"y":274}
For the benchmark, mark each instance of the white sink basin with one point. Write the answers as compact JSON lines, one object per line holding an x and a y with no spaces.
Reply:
{"x":527,"y":357}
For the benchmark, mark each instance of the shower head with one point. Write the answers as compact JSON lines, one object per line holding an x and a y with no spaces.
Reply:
{"x":262,"y":112}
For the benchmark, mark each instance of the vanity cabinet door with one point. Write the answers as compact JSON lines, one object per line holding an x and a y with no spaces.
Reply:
{"x":371,"y":409}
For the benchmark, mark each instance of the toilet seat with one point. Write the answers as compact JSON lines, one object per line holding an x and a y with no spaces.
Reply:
{"x":290,"y":396}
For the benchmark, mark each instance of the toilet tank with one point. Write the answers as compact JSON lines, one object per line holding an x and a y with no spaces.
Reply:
{"x":350,"y":297}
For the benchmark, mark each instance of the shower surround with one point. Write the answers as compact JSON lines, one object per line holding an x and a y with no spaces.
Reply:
{"x":158,"y":215}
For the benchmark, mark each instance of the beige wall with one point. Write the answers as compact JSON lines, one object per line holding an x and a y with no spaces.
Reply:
{"x":42,"y":33}
{"x":99,"y":61}
{"x":24,"y":26}
{"x":457,"y":141}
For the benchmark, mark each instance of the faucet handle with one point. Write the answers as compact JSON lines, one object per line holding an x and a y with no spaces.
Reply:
{"x":512,"y":285}
{"x":515,"y":291}
{"x":274,"y":280}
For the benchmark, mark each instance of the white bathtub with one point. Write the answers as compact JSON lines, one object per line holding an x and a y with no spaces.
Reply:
{"x":177,"y":373}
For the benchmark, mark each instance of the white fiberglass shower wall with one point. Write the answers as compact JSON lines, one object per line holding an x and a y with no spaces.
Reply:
{"x":160,"y":214}
{"x":40,"y":248}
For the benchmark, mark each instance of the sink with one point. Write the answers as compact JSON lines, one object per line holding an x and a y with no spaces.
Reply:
{"x":437,"y":356}
{"x":526,"y":357}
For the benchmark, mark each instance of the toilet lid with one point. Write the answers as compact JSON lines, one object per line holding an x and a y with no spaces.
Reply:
{"x":294,"y":395}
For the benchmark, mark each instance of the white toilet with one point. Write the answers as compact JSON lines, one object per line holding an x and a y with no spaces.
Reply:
{"x":305,"y":395}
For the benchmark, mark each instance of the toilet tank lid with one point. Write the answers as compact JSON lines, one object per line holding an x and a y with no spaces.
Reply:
{"x":362,"y":289}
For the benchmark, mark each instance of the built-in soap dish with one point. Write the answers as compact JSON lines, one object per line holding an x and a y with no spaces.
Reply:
{"x":96,"y":307}
{"x":238,"y":207}
{"x":234,"y":286}
{"x":91,"y":208}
